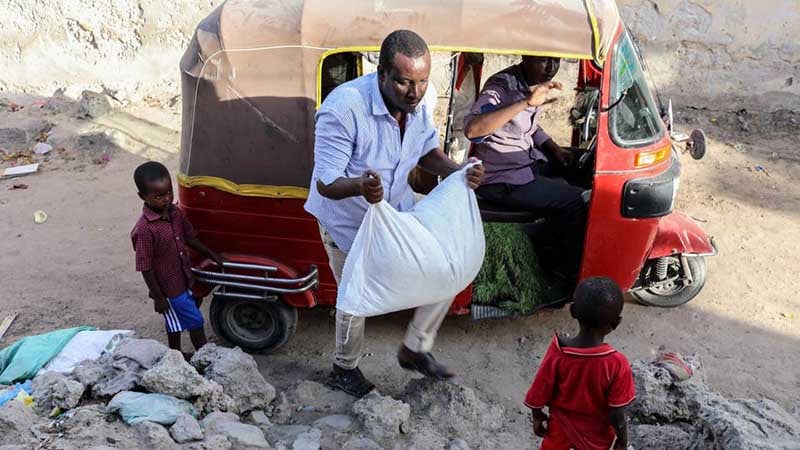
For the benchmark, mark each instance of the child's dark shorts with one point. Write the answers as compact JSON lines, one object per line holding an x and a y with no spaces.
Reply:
{"x":183,"y":314}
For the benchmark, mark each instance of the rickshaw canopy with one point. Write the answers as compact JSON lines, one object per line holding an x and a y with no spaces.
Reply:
{"x":251,"y":74}
{"x":569,"y":28}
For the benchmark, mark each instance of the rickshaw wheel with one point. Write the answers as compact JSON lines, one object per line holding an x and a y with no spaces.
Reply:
{"x":256,"y":326}
{"x":675,"y":293}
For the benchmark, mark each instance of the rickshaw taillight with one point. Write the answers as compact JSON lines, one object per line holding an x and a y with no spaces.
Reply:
{"x":644,"y":159}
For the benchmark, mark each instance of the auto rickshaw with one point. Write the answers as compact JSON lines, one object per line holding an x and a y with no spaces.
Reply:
{"x":256,"y":71}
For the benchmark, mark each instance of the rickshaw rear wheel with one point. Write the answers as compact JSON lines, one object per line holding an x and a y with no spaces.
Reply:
{"x":675,"y":293}
{"x":256,"y":326}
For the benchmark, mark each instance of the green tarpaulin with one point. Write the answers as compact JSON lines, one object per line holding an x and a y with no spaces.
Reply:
{"x":21,"y":360}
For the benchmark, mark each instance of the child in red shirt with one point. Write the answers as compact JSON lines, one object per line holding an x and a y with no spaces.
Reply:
{"x":585,"y":383}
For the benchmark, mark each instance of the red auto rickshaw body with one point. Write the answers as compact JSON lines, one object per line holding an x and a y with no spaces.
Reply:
{"x":247,"y":228}
{"x":247,"y":143}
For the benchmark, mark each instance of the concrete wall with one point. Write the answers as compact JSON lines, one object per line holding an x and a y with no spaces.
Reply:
{"x":128,"y":46}
{"x":725,"y":54}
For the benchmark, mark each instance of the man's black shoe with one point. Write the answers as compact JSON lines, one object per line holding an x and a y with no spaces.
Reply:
{"x":423,"y":363}
{"x":350,"y":381}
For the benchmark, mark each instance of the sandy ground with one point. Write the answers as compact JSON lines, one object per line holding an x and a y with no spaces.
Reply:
{"x":77,"y":268}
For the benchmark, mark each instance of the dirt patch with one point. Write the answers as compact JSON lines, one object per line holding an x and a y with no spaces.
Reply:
{"x":77,"y":269}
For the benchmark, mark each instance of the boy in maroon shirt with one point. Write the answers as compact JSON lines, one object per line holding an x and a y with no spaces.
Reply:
{"x":585,"y":383}
{"x":160,"y":239}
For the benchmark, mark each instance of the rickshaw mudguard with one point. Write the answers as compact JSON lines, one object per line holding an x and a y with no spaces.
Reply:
{"x":679,"y":234}
{"x":305,"y":299}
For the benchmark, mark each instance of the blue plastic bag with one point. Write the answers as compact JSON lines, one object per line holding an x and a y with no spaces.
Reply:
{"x":11,"y":394}
{"x":22,"y":359}
{"x":135,"y":407}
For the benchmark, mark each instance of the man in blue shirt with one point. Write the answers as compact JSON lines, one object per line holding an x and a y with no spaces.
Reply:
{"x":370,"y":133}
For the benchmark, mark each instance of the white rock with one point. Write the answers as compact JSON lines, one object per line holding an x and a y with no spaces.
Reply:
{"x":382,"y":416}
{"x":259,"y":418}
{"x":337,"y":422}
{"x":237,"y":373}
{"x":42,"y":148}
{"x":310,"y":440}
{"x":95,"y":104}
{"x":240,"y":435}
{"x":321,"y":398}
{"x":286,"y":434}
{"x":458,"y":444}
{"x":186,"y":429}
{"x":211,"y":419}
{"x":146,"y":352}
{"x":154,"y":436}
{"x":172,"y":375}
{"x":52,"y":389}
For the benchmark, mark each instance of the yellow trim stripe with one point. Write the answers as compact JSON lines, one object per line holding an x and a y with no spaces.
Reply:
{"x":595,"y":31}
{"x":246,"y":190}
{"x":442,"y":48}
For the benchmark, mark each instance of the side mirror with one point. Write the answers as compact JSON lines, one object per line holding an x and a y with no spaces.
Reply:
{"x":695,"y":142}
{"x":696,"y":145}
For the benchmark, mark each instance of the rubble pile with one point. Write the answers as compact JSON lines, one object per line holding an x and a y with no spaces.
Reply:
{"x":143,"y":395}
{"x":670,"y":414}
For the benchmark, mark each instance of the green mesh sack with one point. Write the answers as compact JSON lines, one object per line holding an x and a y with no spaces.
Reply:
{"x":510,"y":277}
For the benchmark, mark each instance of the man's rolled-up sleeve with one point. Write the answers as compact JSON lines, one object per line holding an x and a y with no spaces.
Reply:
{"x":333,"y":146}
{"x":489,"y":100}
{"x":540,"y":137}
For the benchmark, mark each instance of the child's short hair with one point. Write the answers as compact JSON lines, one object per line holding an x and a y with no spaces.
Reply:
{"x":598,"y":302}
{"x":147,"y":172}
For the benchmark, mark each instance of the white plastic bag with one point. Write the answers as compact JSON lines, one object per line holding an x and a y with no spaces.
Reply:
{"x":86,"y":345}
{"x":402,"y":260}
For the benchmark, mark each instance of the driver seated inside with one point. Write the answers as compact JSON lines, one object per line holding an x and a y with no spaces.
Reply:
{"x":522,"y":163}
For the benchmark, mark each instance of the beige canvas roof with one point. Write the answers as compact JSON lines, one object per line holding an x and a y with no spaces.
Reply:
{"x":564,"y":27}
{"x":250,"y":74}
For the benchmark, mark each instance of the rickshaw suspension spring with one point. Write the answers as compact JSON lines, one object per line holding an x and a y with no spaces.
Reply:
{"x":662,"y":264}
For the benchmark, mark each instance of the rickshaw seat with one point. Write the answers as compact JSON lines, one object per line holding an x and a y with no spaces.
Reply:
{"x":492,"y":212}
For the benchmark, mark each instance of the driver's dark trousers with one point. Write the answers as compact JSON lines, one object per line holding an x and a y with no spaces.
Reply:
{"x":563,"y":203}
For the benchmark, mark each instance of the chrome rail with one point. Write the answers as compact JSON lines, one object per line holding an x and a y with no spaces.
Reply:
{"x":265,"y":285}
{"x":237,"y":277}
{"x":225,"y":293}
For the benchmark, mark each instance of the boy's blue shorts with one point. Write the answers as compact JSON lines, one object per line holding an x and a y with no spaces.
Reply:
{"x":183,"y":314}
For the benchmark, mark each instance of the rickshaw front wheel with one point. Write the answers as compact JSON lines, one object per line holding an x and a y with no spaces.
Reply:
{"x":674,"y":292}
{"x":256,"y":326}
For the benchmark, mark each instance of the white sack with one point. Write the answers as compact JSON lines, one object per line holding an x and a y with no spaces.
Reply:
{"x":402,"y":260}
{"x":86,"y":345}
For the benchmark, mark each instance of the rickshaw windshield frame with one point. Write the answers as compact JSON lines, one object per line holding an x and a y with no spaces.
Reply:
{"x":628,"y":82}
